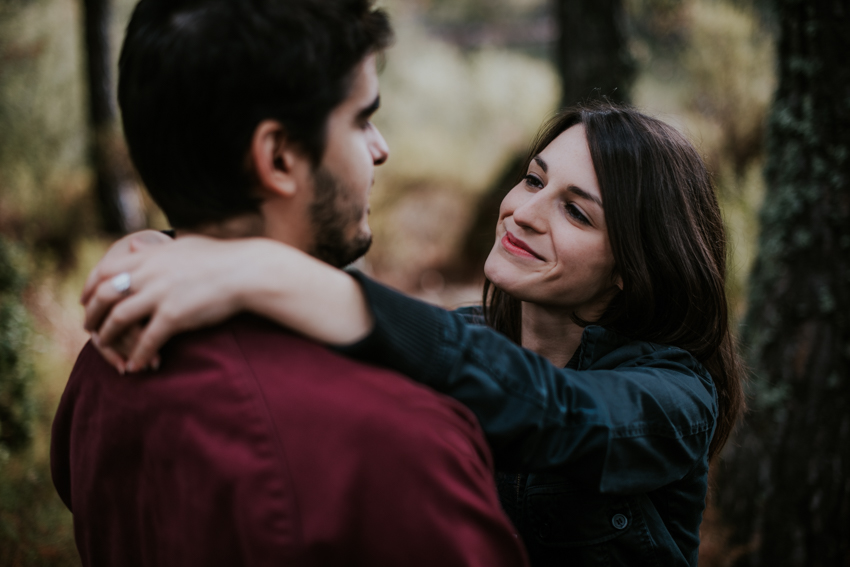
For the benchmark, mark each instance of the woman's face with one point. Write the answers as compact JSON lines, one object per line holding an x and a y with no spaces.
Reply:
{"x":552,"y":244}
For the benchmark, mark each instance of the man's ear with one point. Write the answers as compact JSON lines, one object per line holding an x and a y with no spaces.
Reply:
{"x":275,"y":159}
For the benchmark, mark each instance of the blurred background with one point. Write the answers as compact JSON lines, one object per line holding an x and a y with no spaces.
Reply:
{"x":464,"y":90}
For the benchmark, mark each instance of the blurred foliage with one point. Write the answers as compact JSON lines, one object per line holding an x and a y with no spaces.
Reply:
{"x":16,"y":406}
{"x":658,"y":26}
{"x":38,"y":344}
{"x":35,"y":527}
{"x":729,"y":62}
{"x":43,"y":177}
{"x":45,"y":209}
{"x":465,"y":11}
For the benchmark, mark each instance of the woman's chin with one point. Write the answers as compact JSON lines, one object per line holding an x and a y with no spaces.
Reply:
{"x":496,"y":271}
{"x":502,"y":274}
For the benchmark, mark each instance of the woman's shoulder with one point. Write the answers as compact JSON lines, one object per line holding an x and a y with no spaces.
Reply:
{"x":608,"y":349}
{"x":679,"y":387}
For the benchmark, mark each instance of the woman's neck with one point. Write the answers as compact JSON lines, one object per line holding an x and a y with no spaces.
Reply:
{"x":550,"y":333}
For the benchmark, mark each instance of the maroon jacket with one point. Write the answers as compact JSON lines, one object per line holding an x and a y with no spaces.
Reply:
{"x":251,"y":446}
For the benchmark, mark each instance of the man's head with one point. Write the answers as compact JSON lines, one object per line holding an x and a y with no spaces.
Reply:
{"x":218,"y":96}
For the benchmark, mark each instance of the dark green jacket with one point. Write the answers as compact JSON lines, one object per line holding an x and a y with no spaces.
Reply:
{"x":616,"y":448}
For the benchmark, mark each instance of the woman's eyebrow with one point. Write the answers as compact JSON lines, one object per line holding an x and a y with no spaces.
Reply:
{"x":543,"y":165}
{"x":584,"y":194}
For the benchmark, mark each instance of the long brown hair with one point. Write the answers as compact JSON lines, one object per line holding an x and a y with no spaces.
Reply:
{"x":668,"y":242}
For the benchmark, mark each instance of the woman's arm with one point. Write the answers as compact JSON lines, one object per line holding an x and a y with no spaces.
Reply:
{"x":195,"y":281}
{"x":633,"y":418}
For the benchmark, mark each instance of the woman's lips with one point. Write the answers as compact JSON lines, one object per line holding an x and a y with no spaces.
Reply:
{"x":518,"y":247}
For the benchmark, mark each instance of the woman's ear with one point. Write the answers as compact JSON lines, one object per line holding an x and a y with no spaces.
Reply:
{"x":618,"y":281}
{"x":274,"y":159}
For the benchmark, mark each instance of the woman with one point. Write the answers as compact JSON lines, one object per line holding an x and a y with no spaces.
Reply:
{"x":608,"y":267}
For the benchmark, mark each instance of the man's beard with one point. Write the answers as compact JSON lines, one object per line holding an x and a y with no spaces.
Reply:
{"x":332,"y":213}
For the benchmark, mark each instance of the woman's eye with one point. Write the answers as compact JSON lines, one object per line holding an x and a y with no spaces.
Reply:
{"x":533,"y":181}
{"x":574,"y":212}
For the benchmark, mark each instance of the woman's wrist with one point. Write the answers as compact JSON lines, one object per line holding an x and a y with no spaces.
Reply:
{"x":252,"y":282}
{"x":300,"y":292}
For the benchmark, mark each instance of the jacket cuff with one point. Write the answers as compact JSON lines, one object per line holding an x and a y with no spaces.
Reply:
{"x":409,"y":336}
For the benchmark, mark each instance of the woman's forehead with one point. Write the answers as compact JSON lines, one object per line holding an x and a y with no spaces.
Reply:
{"x":567,"y":161}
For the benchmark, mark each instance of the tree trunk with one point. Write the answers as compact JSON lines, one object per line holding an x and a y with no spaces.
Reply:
{"x":592,"y":52}
{"x":115,"y":189}
{"x":784,"y":482}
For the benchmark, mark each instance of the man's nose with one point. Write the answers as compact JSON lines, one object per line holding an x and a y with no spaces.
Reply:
{"x":379,"y":148}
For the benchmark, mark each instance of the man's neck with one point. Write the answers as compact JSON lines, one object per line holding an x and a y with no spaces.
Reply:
{"x":242,"y":226}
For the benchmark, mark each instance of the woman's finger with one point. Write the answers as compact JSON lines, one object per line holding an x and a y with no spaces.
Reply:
{"x":94,"y":278}
{"x":129,"y":276}
{"x":133,"y":310}
{"x":109,"y":354}
{"x":155,"y":334}
{"x":125,"y":343}
{"x":106,"y":267}
{"x":119,"y":258}
{"x":103,"y":299}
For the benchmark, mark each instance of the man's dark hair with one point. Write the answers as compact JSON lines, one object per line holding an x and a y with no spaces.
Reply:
{"x":196,"y":77}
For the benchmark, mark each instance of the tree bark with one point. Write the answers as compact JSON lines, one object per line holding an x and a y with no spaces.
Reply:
{"x":784,"y":482}
{"x":592,"y":53}
{"x":115,"y":189}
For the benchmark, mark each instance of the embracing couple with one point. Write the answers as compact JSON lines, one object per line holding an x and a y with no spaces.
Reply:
{"x":245,"y":401}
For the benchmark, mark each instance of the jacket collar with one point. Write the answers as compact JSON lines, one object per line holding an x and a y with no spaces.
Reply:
{"x":597,"y":343}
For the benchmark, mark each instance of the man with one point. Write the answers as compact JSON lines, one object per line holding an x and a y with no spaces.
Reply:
{"x":249,"y":445}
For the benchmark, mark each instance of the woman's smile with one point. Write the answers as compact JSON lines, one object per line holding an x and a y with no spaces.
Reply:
{"x":517,"y":247}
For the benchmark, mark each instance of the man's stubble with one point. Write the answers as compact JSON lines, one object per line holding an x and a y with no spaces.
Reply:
{"x":332,"y":213}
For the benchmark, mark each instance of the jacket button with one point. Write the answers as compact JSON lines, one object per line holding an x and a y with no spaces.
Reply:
{"x":619,"y":521}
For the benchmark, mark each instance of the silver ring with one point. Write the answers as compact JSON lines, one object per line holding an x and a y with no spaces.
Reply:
{"x":121,"y":283}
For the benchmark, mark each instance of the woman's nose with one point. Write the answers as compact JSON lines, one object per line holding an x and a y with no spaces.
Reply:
{"x":531,"y":213}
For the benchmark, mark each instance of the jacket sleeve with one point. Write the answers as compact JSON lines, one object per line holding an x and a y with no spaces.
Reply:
{"x":637,"y":427}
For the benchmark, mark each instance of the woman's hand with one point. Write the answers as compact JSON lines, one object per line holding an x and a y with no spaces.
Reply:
{"x":117,"y":352}
{"x":198,"y":281}
{"x":186,"y":284}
